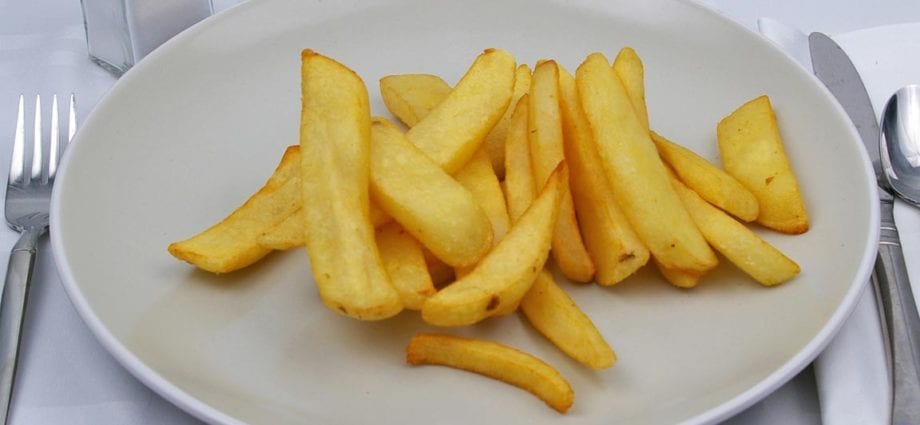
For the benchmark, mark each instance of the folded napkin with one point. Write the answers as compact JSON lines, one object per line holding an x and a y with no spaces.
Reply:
{"x":853,"y":374}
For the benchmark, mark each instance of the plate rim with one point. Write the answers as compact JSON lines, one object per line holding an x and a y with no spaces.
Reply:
{"x":205,"y":412}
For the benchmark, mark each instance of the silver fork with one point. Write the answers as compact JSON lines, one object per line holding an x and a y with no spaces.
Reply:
{"x":28,"y":195}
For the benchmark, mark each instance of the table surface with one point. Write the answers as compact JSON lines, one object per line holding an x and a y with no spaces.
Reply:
{"x":65,"y":376}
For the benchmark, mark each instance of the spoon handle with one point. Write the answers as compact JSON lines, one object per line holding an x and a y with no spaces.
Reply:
{"x":903,"y":321}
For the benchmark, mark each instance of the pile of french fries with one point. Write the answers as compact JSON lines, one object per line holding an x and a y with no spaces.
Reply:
{"x":458,"y":216}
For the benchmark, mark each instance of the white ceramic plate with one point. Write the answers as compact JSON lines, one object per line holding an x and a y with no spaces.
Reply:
{"x":196,"y":127}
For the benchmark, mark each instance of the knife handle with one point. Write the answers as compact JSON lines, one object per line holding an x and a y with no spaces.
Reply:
{"x":903,"y":321}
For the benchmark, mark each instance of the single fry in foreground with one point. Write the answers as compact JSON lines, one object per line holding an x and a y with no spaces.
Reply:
{"x":639,"y":179}
{"x":553,"y":313}
{"x":425,"y":200}
{"x":709,"y":181}
{"x":629,"y":69}
{"x":451,"y":132}
{"x":410,"y":97}
{"x":233,"y":243}
{"x":613,"y":245}
{"x":496,"y":361}
{"x":546,"y":151}
{"x":335,"y":163}
{"x":740,"y":245}
{"x":519,"y":186}
{"x":405,"y":264}
{"x":752,"y":151}
{"x":501,"y":279}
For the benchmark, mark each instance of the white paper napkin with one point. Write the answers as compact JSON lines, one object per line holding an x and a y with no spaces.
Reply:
{"x":852,"y":374}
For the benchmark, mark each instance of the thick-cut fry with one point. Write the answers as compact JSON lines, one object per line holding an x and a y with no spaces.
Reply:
{"x":233,"y":243}
{"x":546,"y":151}
{"x":494,"y":143}
{"x":479,"y":178}
{"x":456,"y":128}
{"x":405,"y":264}
{"x":553,"y":313}
{"x":740,"y":245}
{"x":503,"y":277}
{"x":613,"y":245}
{"x":709,"y":181}
{"x":629,"y":69}
{"x":410,"y":97}
{"x":679,"y":278}
{"x":519,"y":184}
{"x":335,"y":151}
{"x":496,"y":361}
{"x":639,"y":179}
{"x":429,"y":203}
{"x":752,"y":151}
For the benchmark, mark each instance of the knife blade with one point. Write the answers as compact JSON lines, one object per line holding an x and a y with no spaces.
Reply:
{"x":835,"y":69}
{"x":890,"y":279}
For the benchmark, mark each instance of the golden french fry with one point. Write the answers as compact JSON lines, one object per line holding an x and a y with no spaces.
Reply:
{"x":429,"y":203}
{"x":233,"y":243}
{"x":740,"y":245}
{"x":503,"y":277}
{"x":546,"y":151}
{"x":496,"y":361}
{"x":451,"y":132}
{"x":494,"y":143}
{"x":519,"y":183}
{"x":479,"y":178}
{"x":679,"y":278}
{"x":610,"y":240}
{"x":709,"y":181}
{"x":410,"y":97}
{"x":639,"y":179}
{"x":629,"y":69}
{"x":335,"y":163}
{"x":553,"y":313}
{"x":752,"y":151}
{"x":405,"y":264}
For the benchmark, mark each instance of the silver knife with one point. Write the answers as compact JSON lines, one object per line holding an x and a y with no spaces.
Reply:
{"x":834,"y":68}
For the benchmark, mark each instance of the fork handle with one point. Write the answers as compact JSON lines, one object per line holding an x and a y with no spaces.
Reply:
{"x":12,"y":312}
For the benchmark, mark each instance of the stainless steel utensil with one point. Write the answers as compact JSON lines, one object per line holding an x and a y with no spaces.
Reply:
{"x":834,"y":68}
{"x":28,"y":194}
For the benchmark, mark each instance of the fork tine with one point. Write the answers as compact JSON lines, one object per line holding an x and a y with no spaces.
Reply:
{"x":19,"y":142}
{"x":55,"y":141}
{"x":36,"y":172}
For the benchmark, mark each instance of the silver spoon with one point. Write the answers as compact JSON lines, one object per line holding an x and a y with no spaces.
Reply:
{"x":900,"y":160}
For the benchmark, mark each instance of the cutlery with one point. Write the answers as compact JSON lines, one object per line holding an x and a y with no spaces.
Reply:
{"x":28,"y":194}
{"x":834,"y":68}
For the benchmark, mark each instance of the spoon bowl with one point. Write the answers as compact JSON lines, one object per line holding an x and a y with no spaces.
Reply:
{"x":900,"y":143}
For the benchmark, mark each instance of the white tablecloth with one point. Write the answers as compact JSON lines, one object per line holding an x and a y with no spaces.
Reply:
{"x":65,"y":376}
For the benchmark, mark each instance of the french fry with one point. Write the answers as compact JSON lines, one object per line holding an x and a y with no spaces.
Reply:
{"x":610,"y":240}
{"x":233,"y":243}
{"x":441,"y":273}
{"x":629,"y":69}
{"x":740,"y":245}
{"x":410,"y":97}
{"x":452,"y":132}
{"x":503,"y":277}
{"x":519,"y":183}
{"x":335,"y":153}
{"x":639,"y":179}
{"x":290,"y":232}
{"x":752,"y":151}
{"x":680,"y":278}
{"x":553,"y":313}
{"x":709,"y":181}
{"x":429,"y":203}
{"x":479,"y":178}
{"x":496,"y":361}
{"x":494,"y":143}
{"x":405,"y":264}
{"x":546,"y":150}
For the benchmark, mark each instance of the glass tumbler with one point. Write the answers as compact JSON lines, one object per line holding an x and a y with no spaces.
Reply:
{"x":121,"y":32}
